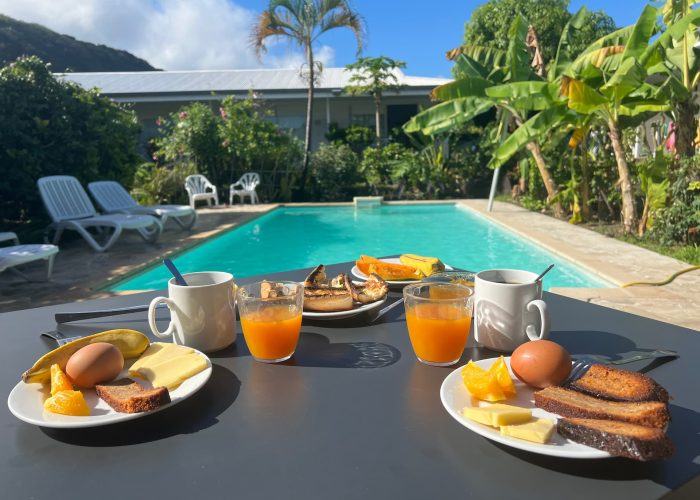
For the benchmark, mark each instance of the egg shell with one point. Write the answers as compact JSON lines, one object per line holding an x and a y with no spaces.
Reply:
{"x":94,"y":364}
{"x":541,"y":363}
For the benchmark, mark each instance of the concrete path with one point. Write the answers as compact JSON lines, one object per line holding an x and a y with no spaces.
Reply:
{"x":614,"y":260}
{"x":79,"y":271}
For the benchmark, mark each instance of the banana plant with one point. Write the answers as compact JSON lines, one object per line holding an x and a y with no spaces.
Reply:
{"x":491,"y":79}
{"x":654,"y":183}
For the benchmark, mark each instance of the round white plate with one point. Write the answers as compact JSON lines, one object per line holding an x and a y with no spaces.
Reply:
{"x":455,"y":397}
{"x":26,"y":402}
{"x":357,"y":309}
{"x":392,"y":260}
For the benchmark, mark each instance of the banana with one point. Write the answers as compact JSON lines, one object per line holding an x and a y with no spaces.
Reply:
{"x":130,"y":342}
{"x":427,"y":265}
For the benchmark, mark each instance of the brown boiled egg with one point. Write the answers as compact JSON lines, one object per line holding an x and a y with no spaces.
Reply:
{"x":541,"y":363}
{"x":94,"y":364}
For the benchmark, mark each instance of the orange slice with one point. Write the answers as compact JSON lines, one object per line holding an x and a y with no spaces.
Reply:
{"x":59,"y":380}
{"x":492,"y":385}
{"x":500,"y":370}
{"x":68,"y":403}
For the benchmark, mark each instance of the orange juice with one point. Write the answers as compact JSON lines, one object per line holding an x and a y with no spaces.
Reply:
{"x":272,"y":332}
{"x":438,"y":332}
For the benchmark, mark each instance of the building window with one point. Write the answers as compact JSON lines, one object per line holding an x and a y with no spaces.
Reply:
{"x":293,"y":124}
{"x":366,"y":120}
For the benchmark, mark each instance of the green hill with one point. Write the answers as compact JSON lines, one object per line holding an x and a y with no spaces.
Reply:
{"x":64,"y":52}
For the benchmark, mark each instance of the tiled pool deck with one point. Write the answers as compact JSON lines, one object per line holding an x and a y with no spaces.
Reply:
{"x":79,"y":273}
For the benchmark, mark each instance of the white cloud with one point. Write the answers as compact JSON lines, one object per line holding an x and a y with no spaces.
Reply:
{"x":169,"y":34}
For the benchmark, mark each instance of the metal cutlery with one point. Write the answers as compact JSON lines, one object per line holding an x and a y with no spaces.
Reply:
{"x":386,"y":309}
{"x":67,"y":317}
{"x":582,"y":363}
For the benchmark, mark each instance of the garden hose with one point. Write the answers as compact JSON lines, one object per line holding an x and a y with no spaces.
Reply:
{"x":664,"y":282}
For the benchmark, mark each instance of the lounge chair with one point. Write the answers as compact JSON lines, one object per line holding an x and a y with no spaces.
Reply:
{"x":17,"y":254}
{"x":197,"y":187}
{"x":113,"y":198}
{"x":70,"y":208}
{"x":248,"y":182}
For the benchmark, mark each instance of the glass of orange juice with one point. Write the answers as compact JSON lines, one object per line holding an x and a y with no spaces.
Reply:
{"x":438,"y":316}
{"x":271,"y":318}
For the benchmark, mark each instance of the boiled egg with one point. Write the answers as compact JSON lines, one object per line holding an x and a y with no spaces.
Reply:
{"x":541,"y":363}
{"x":94,"y":364}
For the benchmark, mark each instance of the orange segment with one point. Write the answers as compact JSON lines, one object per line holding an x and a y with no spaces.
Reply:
{"x":68,"y":403}
{"x":500,"y":370}
{"x":492,"y":385}
{"x":59,"y":380}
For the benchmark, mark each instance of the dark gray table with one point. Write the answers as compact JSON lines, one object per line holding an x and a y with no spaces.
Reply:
{"x":352,"y":415}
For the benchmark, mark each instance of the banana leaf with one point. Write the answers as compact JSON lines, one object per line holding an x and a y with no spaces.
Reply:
{"x":628,"y":77}
{"x":466,"y":67}
{"x":446,"y":115}
{"x":518,"y":53}
{"x":642,"y":31}
{"x":563,"y":58}
{"x":485,"y":56}
{"x":585,"y":99}
{"x":465,"y":87}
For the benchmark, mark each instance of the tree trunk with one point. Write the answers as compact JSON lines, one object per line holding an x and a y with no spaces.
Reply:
{"x":585,"y":181}
{"x":629,"y":212}
{"x":378,"y":118}
{"x":549,"y":185}
{"x":685,"y":126}
{"x":309,"y":118}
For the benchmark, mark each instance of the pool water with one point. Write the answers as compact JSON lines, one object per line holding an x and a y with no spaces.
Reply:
{"x":293,"y":238}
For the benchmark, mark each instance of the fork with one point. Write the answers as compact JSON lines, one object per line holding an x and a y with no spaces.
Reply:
{"x":582,"y":363}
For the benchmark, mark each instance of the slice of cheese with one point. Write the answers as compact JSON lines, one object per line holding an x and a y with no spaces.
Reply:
{"x":167,"y":365}
{"x":539,"y":430}
{"x":497,"y":415}
{"x":157,"y":352}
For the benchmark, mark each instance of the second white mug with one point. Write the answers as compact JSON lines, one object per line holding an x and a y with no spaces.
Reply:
{"x":508,"y":309}
{"x":203,"y":314}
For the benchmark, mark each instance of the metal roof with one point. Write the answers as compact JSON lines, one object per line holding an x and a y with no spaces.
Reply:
{"x":237,"y":80}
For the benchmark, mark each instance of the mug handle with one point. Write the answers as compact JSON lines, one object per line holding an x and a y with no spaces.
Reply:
{"x":152,"y":318}
{"x":544,"y":320}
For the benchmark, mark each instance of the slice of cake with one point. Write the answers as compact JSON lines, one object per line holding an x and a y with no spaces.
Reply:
{"x":127,"y":396}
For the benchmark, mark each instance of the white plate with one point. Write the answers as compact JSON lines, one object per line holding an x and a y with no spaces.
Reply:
{"x":357,"y":309}
{"x":455,"y":397}
{"x":392,"y":260}
{"x":26,"y":402}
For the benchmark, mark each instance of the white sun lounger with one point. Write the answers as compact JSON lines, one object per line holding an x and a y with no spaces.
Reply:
{"x":197,"y":187}
{"x":17,"y":254}
{"x":113,"y":198}
{"x":248,"y":182}
{"x":70,"y":208}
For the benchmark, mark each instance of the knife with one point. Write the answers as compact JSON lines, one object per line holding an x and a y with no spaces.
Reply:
{"x":67,"y":317}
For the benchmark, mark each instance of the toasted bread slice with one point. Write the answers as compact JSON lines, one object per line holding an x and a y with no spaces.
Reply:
{"x":620,"y":439}
{"x":316,"y":277}
{"x":127,"y":396}
{"x":372,"y":290}
{"x":570,"y":403}
{"x":619,"y":385}
{"x":327,"y":299}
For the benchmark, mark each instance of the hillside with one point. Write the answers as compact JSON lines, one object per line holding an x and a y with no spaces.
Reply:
{"x":64,"y":52}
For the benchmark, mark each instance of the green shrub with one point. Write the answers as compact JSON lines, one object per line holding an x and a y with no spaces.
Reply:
{"x":679,"y":221}
{"x":52,"y":127}
{"x":334,"y":170}
{"x":356,"y":136}
{"x":154,"y":184}
{"x":393,"y":171}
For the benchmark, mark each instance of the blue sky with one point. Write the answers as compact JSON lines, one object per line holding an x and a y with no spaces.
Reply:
{"x":420,"y":32}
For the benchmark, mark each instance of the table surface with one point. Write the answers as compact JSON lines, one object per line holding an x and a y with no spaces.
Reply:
{"x":352,"y":414}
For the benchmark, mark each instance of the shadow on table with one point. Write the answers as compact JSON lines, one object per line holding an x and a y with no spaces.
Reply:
{"x":196,"y":413}
{"x":317,"y":350}
{"x":593,"y":342}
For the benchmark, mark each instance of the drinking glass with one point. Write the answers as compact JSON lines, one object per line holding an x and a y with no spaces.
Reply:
{"x":271,"y":318}
{"x":438,"y":316}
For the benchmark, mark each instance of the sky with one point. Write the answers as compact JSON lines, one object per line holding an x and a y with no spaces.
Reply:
{"x":213,"y":34}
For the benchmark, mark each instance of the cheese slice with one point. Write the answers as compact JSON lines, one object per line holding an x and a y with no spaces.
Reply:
{"x":539,"y":430}
{"x":498,"y":414}
{"x":157,"y":352}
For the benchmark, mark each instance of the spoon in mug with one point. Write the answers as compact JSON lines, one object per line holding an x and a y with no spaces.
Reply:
{"x":173,"y":270}
{"x":539,"y":278}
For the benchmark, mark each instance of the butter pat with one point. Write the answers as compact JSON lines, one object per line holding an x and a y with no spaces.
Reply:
{"x":167,"y":365}
{"x":497,"y":415}
{"x":538,"y":431}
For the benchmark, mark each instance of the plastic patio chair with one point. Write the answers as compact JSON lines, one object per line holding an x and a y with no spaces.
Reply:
{"x":113,"y":198}
{"x":70,"y":208}
{"x":16,"y":255}
{"x":248,"y":181}
{"x":197,"y":187}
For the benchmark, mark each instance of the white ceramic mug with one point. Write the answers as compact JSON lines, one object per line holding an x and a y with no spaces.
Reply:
{"x":508,"y":309}
{"x":203,"y":314}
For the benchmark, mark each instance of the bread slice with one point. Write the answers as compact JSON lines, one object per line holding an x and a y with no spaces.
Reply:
{"x":327,"y":299}
{"x":127,"y":396}
{"x":569,"y":403}
{"x":372,"y":290}
{"x":619,"y":385}
{"x":620,"y":439}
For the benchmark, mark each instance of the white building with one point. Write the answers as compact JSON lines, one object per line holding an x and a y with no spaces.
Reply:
{"x":158,"y":93}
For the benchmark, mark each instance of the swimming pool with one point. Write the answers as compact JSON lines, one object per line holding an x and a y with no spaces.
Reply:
{"x":293,"y":238}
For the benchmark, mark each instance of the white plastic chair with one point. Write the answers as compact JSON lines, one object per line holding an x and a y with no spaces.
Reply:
{"x":70,"y":208}
{"x":248,"y":181}
{"x":17,"y":254}
{"x":113,"y":198}
{"x":197,"y":187}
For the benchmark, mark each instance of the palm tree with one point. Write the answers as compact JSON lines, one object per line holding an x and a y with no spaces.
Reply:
{"x":303,"y":22}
